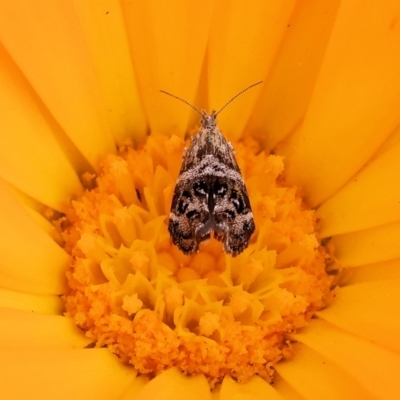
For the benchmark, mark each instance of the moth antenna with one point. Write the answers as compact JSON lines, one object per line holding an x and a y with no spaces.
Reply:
{"x":237,"y":95}
{"x":184,"y":101}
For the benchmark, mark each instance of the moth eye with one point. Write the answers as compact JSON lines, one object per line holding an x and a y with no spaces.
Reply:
{"x":200,"y":188}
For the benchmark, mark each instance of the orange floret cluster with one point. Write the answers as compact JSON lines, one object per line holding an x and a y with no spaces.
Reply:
{"x":132,"y":290}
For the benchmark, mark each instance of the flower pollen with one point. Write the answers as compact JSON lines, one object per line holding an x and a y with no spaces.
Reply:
{"x":132,"y":290}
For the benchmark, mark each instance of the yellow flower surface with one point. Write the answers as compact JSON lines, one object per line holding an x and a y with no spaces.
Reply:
{"x":80,"y":101}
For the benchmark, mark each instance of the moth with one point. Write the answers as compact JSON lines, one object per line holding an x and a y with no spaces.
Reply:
{"x":210,"y":194}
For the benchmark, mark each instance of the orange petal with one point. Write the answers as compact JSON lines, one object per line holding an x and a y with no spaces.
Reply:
{"x":285,"y":390}
{"x":359,"y":205}
{"x":45,"y":40}
{"x":375,"y":369}
{"x":27,"y":330}
{"x":31,"y":261}
{"x":30,"y":157}
{"x":168,"y":42}
{"x":354,"y":106}
{"x":134,"y":388}
{"x":374,"y":306}
{"x":368,"y":246}
{"x":44,"y":304}
{"x":316,"y":377}
{"x":243,"y":40}
{"x":215,"y":393}
{"x":34,"y":208}
{"x":256,"y":389}
{"x":173,"y":385}
{"x":390,"y":142}
{"x":103,"y":25}
{"x":375,"y":272}
{"x":289,"y":86}
{"x":63,"y":374}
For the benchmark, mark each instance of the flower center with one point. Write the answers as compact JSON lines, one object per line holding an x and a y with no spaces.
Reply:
{"x":132,"y":290}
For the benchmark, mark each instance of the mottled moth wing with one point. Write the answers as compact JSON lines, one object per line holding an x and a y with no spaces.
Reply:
{"x":210,"y":195}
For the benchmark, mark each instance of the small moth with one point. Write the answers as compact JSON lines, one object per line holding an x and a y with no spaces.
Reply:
{"x":210,"y":194}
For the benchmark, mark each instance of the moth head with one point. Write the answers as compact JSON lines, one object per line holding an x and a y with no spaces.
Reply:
{"x":208,"y":121}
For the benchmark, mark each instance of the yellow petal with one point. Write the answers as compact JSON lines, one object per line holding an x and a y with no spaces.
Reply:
{"x":354,"y":106}
{"x":31,"y":261}
{"x":40,"y":220}
{"x":34,"y":208}
{"x":215,"y":393}
{"x":243,"y":40}
{"x":316,"y":377}
{"x":104,"y":29}
{"x":45,"y":304}
{"x":374,"y":306}
{"x":375,"y":272}
{"x":288,"y":88}
{"x":256,"y":389}
{"x":134,"y":388}
{"x":360,"y":205}
{"x":24,"y":127}
{"x":371,"y":366}
{"x":285,"y":390}
{"x":90,"y":374}
{"x":173,"y":385}
{"x":368,"y":246}
{"x":27,"y":330}
{"x":168,"y":42}
{"x":59,"y":68}
{"x":391,"y":141}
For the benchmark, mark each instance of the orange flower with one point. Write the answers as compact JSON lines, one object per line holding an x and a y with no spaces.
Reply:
{"x":76,"y":78}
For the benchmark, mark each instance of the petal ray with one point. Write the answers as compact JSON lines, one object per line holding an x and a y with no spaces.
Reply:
{"x":27,"y":330}
{"x":374,"y":272}
{"x":374,"y":306}
{"x":35,"y":209}
{"x":44,"y":304}
{"x":256,"y":389}
{"x":24,"y":128}
{"x":390,"y":142}
{"x":91,"y":374}
{"x":103,"y":25}
{"x":134,"y":388}
{"x":358,"y":358}
{"x":173,"y":385}
{"x":285,"y":390}
{"x":31,"y":261}
{"x":45,"y":40}
{"x":355,"y":100}
{"x":154,"y":28}
{"x":246,"y":53}
{"x":359,"y":205}
{"x":368,"y":246}
{"x":280,"y":107}
{"x":319,"y":377}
